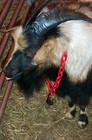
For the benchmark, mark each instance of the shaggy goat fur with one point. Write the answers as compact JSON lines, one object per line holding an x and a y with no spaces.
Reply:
{"x":73,"y":37}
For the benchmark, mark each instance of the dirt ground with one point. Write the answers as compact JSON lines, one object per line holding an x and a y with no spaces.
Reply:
{"x":34,"y":119}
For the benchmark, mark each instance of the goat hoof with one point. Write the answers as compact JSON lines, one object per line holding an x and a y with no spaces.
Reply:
{"x":50,"y":99}
{"x":83,"y":121}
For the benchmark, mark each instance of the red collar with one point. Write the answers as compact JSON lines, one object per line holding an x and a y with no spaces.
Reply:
{"x":52,"y":87}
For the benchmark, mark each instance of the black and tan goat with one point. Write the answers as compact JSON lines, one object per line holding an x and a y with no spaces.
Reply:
{"x":38,"y":51}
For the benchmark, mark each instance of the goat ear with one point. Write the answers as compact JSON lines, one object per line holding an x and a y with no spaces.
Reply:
{"x":8,"y":30}
{"x":11,"y":30}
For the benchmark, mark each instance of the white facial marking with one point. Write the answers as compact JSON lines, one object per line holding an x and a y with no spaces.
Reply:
{"x":16,"y":35}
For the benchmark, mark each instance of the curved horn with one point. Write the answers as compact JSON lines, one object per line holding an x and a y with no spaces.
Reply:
{"x":54,"y":17}
{"x":35,"y":12}
{"x":47,"y":21}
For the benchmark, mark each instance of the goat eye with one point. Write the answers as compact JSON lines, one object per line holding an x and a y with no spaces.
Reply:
{"x":28,"y":54}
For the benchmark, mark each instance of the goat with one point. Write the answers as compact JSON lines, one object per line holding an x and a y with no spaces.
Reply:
{"x":39,"y":45}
